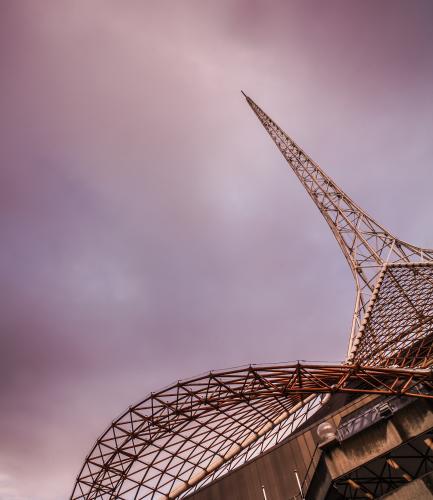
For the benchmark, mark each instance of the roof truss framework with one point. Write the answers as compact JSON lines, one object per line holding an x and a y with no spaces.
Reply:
{"x":174,"y":439}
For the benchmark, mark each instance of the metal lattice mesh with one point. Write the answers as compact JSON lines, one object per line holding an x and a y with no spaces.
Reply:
{"x":398,"y":326}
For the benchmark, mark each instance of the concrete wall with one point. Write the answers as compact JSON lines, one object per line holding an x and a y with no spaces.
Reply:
{"x":420,"y":489}
{"x":379,"y":439}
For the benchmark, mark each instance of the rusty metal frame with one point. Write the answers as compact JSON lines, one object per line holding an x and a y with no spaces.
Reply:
{"x":167,"y":444}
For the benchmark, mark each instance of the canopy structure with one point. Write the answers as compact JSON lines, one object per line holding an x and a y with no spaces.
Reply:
{"x":187,"y":435}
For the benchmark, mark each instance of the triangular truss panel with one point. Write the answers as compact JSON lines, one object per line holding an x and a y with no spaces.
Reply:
{"x":397,"y":329}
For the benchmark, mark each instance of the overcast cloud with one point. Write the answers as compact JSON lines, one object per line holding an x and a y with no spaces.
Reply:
{"x":151,"y":231}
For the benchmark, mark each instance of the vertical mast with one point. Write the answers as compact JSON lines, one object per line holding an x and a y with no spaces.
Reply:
{"x":367,"y":245}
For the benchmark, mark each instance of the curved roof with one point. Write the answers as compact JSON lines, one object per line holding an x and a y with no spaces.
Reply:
{"x":195,"y":430}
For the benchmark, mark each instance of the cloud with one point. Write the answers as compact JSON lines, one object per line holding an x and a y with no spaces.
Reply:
{"x":150,"y":229}
{"x":9,"y":489}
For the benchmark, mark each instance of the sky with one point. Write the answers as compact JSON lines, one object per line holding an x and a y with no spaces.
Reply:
{"x":151,"y":231}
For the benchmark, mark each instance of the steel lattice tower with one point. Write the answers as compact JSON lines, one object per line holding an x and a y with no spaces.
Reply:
{"x":373,"y":254}
{"x":185,"y":436}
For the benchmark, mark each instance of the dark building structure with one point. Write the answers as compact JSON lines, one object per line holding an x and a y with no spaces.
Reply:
{"x":369,"y":448}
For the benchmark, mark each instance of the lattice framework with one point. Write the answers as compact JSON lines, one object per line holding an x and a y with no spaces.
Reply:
{"x":187,"y":435}
{"x":367,"y":245}
{"x":175,"y":438}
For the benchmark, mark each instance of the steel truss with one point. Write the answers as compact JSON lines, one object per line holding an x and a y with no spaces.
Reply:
{"x":368,"y":247}
{"x":174,"y":439}
{"x":185,"y":436}
{"x":388,"y":472}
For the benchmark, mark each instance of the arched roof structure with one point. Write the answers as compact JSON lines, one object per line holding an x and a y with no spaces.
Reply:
{"x":195,"y":430}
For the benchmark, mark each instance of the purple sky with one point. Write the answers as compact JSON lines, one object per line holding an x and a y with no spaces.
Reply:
{"x":150,"y":230}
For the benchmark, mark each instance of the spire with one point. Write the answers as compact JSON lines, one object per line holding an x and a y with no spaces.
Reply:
{"x":367,"y":246}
